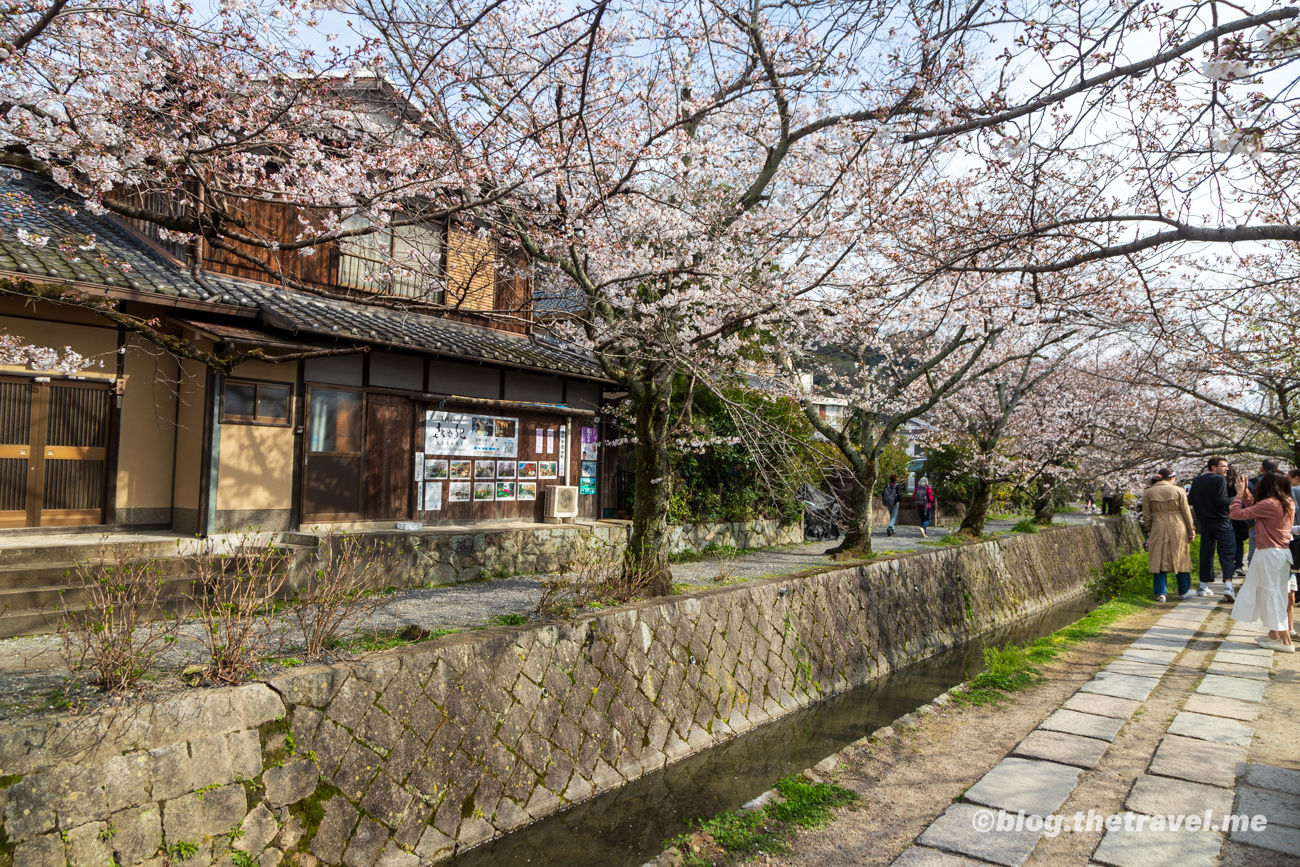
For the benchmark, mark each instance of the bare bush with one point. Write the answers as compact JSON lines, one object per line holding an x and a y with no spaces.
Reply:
{"x":113,"y":622}
{"x":344,"y":590}
{"x":235,"y":584}
{"x":595,"y":572}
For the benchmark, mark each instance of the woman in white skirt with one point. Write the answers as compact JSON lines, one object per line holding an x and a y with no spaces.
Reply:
{"x":1265,"y":594}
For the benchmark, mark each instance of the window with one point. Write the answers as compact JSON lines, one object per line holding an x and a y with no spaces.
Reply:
{"x":334,"y":421}
{"x":401,"y":261}
{"x":255,"y":403}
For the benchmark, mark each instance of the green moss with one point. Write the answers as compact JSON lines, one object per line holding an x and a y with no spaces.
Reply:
{"x":9,"y":780}
{"x":310,"y":811}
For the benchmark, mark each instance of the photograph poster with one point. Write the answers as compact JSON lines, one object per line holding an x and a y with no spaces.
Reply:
{"x":459,"y":471}
{"x":483,"y":490}
{"x":588,"y":470}
{"x":458,"y":492}
{"x":528,"y":469}
{"x":435,"y":468}
{"x":485,"y":470}
{"x":527,"y":490}
{"x":505,"y":469}
{"x":586,"y":486}
{"x":505,"y":490}
{"x":433,"y":496}
{"x":547,"y":469}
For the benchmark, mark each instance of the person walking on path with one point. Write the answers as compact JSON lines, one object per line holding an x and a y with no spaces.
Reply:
{"x":1108,"y":499}
{"x":1240,"y":531}
{"x":1209,"y":500}
{"x":892,"y":498}
{"x":1265,"y":468}
{"x":1168,"y":521}
{"x":1265,"y":594}
{"x":923,"y":499}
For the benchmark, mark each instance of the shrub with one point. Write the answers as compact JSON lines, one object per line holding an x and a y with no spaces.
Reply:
{"x":1130,"y":576}
{"x":125,"y":625}
{"x":1025,"y":525}
{"x":593,"y":573}
{"x":343,"y":591}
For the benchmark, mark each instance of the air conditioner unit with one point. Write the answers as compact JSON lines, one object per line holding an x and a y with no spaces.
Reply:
{"x":561,"y":504}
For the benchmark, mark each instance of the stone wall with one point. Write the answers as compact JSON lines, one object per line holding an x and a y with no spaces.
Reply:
{"x":441,"y":557}
{"x":403,"y":757}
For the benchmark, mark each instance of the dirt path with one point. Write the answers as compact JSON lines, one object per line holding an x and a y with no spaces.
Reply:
{"x":905,"y":783}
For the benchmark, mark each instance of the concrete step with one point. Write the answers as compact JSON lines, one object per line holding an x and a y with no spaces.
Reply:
{"x":65,"y":574}
{"x":16,"y":623}
{"x":69,"y":552}
{"x":47,"y":597}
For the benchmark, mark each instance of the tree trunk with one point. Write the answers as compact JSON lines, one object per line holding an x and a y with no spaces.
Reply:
{"x":646,"y":561}
{"x":1045,"y":503}
{"x":978,"y":512}
{"x":861,"y":517}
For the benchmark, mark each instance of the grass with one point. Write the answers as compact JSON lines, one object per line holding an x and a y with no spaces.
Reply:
{"x":734,"y":837}
{"x":509,"y":620}
{"x":709,"y":552}
{"x":388,"y":640}
{"x":1025,"y":525}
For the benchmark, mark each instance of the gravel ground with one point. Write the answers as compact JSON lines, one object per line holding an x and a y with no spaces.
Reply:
{"x":33,"y":673}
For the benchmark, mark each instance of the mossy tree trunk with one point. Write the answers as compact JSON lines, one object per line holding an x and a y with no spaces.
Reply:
{"x":861,"y":514}
{"x":1045,"y":500}
{"x":646,"y":559}
{"x":978,"y":510}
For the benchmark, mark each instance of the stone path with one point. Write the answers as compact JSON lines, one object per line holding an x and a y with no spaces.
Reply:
{"x":1227,"y":757}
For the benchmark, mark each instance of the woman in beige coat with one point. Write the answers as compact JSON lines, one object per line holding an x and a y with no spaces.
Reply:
{"x":1168,"y":522}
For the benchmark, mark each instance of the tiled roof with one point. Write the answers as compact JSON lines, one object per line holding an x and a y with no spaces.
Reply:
{"x":280,"y":308}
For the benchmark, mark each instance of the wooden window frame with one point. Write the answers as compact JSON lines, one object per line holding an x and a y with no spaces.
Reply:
{"x":396,"y":288}
{"x":258,"y":385}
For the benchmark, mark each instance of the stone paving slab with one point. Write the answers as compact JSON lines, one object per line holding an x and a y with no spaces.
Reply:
{"x":1214,"y":705}
{"x":1159,"y":796}
{"x":1158,"y":644}
{"x":1121,"y":686}
{"x":1273,"y":778}
{"x":1249,"y":648}
{"x":1232,"y":687}
{"x":1086,"y":725}
{"x":954,"y":831}
{"x":1279,"y":807}
{"x":1159,"y":849}
{"x":1199,"y":761}
{"x":1066,"y":749}
{"x":1264,"y":660}
{"x":1180,"y":633}
{"x":920,"y":856}
{"x":1102,"y":705}
{"x":1155,"y":657}
{"x":1135,"y":668}
{"x":1038,"y":788}
{"x":1278,"y":838}
{"x":1232,"y":669}
{"x":1212,"y":728}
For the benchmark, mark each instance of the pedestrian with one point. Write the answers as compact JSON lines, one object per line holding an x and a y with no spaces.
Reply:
{"x":1266,"y":594}
{"x":1089,"y":506}
{"x":892,"y":498}
{"x":1168,"y":521}
{"x":1265,"y":467}
{"x":1240,"y":530}
{"x":1108,"y":498}
{"x":923,"y":499}
{"x":1209,"y":501}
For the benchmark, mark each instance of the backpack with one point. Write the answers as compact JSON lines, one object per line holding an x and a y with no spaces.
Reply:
{"x":890,"y":495}
{"x":921,"y":496}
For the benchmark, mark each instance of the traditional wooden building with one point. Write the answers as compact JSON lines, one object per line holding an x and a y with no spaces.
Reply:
{"x":445,"y":407}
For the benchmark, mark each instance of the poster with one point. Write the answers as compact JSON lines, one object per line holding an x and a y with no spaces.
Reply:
{"x":435,"y":469}
{"x":505,"y":490}
{"x":538,"y":448}
{"x":546,"y":469}
{"x":505,"y":469}
{"x":550,"y":441}
{"x":527,"y":490}
{"x":463,"y":435}
{"x":587,"y":486}
{"x":483,"y":490}
{"x":433,"y":496}
{"x":419,"y":497}
{"x":419,"y":466}
{"x":528,"y":469}
{"x":588,"y":469}
{"x":458,"y":492}
{"x":563,"y":447}
{"x":485,"y":469}
{"x":588,"y":443}
{"x":459,"y":470}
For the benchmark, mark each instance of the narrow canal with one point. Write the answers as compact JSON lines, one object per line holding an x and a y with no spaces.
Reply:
{"x":628,"y":826}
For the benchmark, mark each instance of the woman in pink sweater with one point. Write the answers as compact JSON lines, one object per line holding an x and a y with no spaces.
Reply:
{"x":1264,"y":596}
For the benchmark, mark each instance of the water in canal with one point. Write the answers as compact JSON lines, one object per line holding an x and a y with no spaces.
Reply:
{"x":628,"y":826}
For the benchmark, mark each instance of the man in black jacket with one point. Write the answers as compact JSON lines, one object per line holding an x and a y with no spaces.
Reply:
{"x":1209,"y":500}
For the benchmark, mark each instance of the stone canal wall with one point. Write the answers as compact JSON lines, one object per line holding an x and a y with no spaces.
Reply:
{"x":403,"y":757}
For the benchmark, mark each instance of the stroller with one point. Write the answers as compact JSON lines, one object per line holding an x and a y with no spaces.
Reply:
{"x":821,"y":521}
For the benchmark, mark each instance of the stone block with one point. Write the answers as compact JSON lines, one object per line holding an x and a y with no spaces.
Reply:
{"x":183,"y":819}
{"x":1280,"y":808}
{"x":1274,"y":778}
{"x":137,"y":833}
{"x":1158,"y":796}
{"x":245,"y":754}
{"x":1102,"y":705}
{"x":1063,"y":748}
{"x":1147,"y":848}
{"x":1135,"y":668}
{"x":356,"y":771}
{"x":1277,"y":838}
{"x":290,"y":783}
{"x":85,"y":845}
{"x":259,"y":828}
{"x":920,"y":856}
{"x":1036,"y":787}
{"x":335,"y":830}
{"x":1153,"y":657}
{"x":1212,"y":728}
{"x":1249,"y":659}
{"x":46,"y":851}
{"x":210,"y":761}
{"x":1232,"y":669}
{"x":1198,"y":761}
{"x":367,"y":841}
{"x":169,"y":768}
{"x":29,"y":811}
{"x":1083,"y":724}
{"x":1231,"y":687}
{"x":1247,"y":648}
{"x":392,"y":856}
{"x":386,"y":801}
{"x":257,"y":703}
{"x":223,"y":808}
{"x":434,"y":845}
{"x":1231,"y":708}
{"x":126,"y":780}
{"x":1121,"y":686}
{"x":379,"y":729}
{"x":350,"y":704}
{"x":955,"y":831}
{"x":270,"y":858}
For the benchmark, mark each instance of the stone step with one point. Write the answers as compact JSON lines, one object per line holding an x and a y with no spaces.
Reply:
{"x":72,"y":552}
{"x":64,"y":574}
{"x":15,"y":623}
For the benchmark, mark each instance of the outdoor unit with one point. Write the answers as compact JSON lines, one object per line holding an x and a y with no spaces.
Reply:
{"x":561,"y":504}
